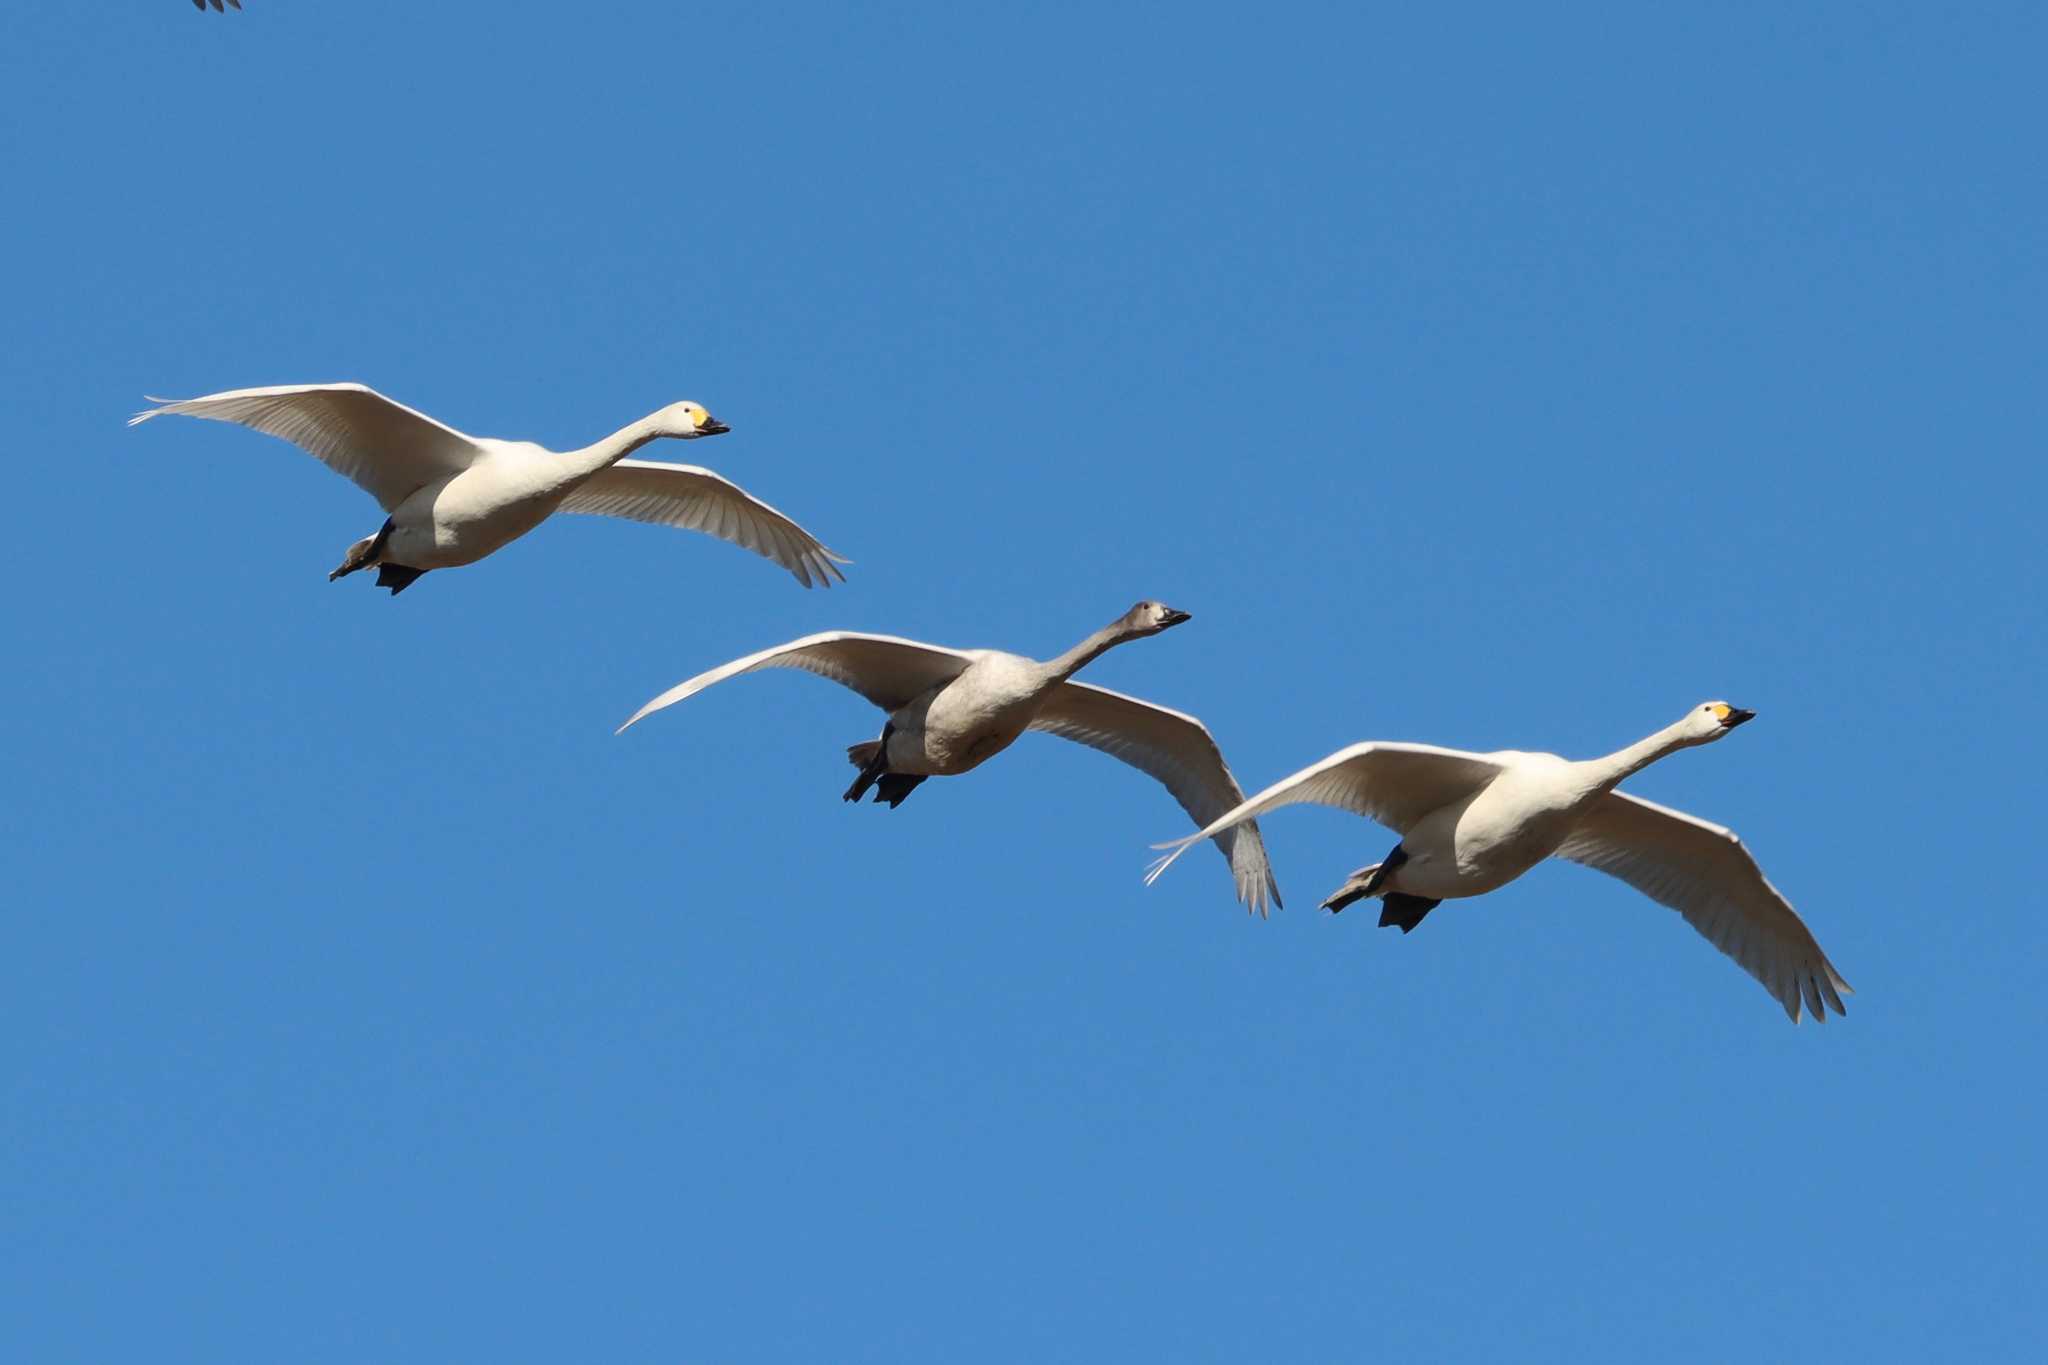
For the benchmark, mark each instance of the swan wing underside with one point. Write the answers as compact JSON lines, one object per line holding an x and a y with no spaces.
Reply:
{"x":385,"y":447}
{"x":1395,"y":784}
{"x":1704,"y":872}
{"x":1177,"y":750}
{"x":694,"y":499}
{"x":888,"y":671}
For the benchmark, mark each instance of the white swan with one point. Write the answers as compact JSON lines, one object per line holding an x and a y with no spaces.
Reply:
{"x":951,"y":710}
{"x":1471,"y":822}
{"x":453,"y":498}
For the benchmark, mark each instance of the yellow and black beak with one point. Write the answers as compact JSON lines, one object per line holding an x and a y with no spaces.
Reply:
{"x":711,"y":426}
{"x":1732,"y":716}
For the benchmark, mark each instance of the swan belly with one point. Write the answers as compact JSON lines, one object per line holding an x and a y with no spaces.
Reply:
{"x":1487,"y":842}
{"x":464,"y":519}
{"x":968,"y":721}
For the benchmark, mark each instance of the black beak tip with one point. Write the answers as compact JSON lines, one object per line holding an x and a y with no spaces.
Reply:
{"x":713,"y":427}
{"x":1174,"y":618}
{"x":1738,"y":716}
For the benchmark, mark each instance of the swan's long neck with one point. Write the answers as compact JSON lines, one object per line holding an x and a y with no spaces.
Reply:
{"x":1059,"y":669}
{"x":1605,"y":773}
{"x":578,"y":465}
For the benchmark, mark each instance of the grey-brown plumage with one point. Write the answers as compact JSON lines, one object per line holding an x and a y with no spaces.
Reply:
{"x":950,"y":710}
{"x":1367,"y":881}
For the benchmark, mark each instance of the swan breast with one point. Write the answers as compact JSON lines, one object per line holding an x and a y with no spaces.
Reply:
{"x":1498,"y":833}
{"x":975,"y":716}
{"x":459,"y":520}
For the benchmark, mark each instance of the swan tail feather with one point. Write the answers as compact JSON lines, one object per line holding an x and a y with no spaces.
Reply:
{"x":1359,"y":885}
{"x":363,"y":553}
{"x":358,"y":557}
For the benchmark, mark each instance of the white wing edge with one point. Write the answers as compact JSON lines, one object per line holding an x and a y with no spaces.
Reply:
{"x":806,"y":554}
{"x":1802,"y":993}
{"x":691,"y":686}
{"x":182,"y":407}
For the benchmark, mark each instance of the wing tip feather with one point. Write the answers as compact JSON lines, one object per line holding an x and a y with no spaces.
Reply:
{"x":163,"y":405}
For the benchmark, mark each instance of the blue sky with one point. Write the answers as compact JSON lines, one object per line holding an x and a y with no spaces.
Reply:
{"x":1474,"y":374}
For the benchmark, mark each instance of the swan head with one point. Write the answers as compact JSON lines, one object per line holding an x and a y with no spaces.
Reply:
{"x":1149,"y":618}
{"x":686,"y":421}
{"x":1710,"y":720}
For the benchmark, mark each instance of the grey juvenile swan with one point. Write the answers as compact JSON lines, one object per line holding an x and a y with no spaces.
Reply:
{"x":951,"y":710}
{"x":453,"y":498}
{"x":1471,"y":822}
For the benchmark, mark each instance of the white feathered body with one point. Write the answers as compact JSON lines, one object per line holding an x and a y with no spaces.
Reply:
{"x":452,"y":499}
{"x":512,"y":487}
{"x":1471,"y":822}
{"x":1499,"y":832}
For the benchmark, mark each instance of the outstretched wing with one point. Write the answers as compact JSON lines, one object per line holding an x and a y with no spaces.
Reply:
{"x":1704,"y":873}
{"x":888,"y":671}
{"x":1179,"y":751}
{"x":388,"y":449}
{"x":695,"y":499}
{"x":1395,"y":784}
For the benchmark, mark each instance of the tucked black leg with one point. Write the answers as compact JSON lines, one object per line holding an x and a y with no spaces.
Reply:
{"x":873,"y":758}
{"x":1404,"y":911}
{"x":895,"y":788}
{"x":397,"y":577}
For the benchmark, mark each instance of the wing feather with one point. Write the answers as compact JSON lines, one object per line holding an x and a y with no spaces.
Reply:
{"x":388,"y":449}
{"x":887,"y":670}
{"x":1179,"y":751}
{"x":1704,"y":872}
{"x":695,"y":499}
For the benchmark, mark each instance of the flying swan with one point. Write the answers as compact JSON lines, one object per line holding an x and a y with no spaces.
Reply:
{"x":1471,"y":822}
{"x":453,"y":498}
{"x":951,"y":710}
